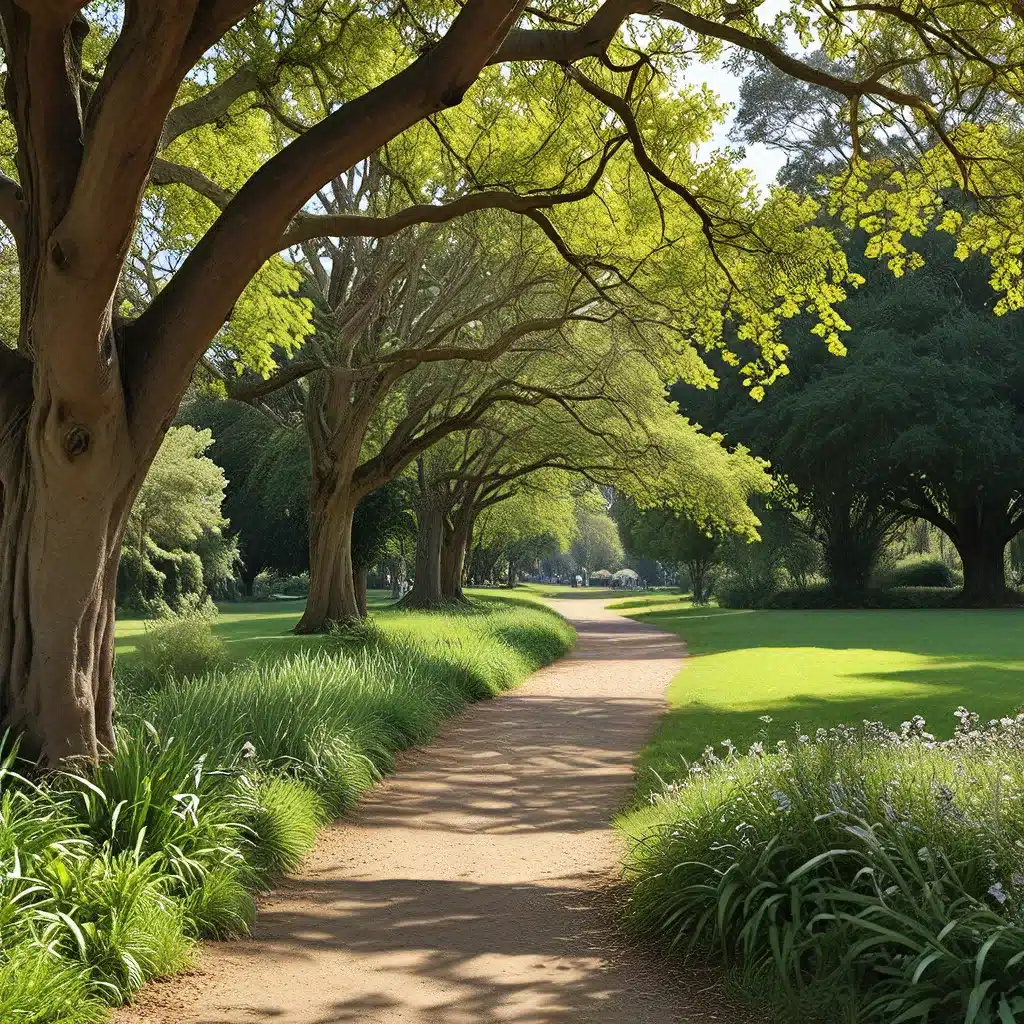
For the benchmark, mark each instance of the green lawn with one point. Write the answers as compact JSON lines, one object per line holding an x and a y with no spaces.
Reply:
{"x":819,"y":668}
{"x":254,"y":628}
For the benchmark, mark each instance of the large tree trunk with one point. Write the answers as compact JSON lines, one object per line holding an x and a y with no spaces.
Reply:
{"x":455,"y":543}
{"x":69,"y":473}
{"x":334,"y":427}
{"x":981,"y":545}
{"x":332,"y":593}
{"x":426,"y":587}
{"x":360,"y":574}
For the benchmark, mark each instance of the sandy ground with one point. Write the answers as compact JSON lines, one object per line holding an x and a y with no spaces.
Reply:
{"x":473,"y":885}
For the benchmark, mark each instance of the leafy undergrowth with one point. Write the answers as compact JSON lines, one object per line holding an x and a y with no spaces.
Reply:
{"x":220,"y":782}
{"x":857,"y":875}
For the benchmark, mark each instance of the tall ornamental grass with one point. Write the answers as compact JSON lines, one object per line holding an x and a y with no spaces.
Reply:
{"x":856,"y":875}
{"x":220,"y":781}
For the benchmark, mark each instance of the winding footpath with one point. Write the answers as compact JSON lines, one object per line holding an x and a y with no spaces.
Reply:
{"x":472,"y":885}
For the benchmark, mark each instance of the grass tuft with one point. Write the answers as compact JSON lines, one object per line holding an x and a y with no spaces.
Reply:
{"x":224,"y":771}
{"x":283,"y":821}
{"x":39,"y":987}
{"x":866,"y":874}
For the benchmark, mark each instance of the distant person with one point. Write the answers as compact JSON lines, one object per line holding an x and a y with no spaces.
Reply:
{"x":579,"y":581}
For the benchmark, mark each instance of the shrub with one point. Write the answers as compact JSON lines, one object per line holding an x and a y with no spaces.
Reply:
{"x":109,"y":879}
{"x":270,"y":583}
{"x":874,"y":597}
{"x":748,"y":589}
{"x":175,"y":647}
{"x":919,"y":571}
{"x":824,"y":596}
{"x":140,"y":586}
{"x":114,"y":916}
{"x":39,"y":987}
{"x":880,"y":871}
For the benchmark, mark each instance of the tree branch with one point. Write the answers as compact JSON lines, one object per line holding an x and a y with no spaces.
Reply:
{"x":167,"y":173}
{"x":209,"y":107}
{"x":123,"y":124}
{"x":774,"y":54}
{"x":307,"y":226}
{"x":565,"y":46}
{"x":168,"y":339}
{"x":212,"y":19}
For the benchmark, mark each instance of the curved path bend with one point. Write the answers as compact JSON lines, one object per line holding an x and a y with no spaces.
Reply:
{"x":471,"y":886}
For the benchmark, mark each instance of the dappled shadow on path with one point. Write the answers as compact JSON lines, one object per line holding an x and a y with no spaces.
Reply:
{"x":473,"y":885}
{"x":468,"y":953}
{"x":564,"y":776}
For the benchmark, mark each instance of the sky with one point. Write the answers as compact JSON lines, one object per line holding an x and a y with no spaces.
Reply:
{"x":763,"y":160}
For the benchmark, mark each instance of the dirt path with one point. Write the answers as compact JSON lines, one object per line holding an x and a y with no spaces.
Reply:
{"x":467,"y":888}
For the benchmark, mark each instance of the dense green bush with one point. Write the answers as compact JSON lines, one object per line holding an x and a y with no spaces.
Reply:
{"x":175,"y":647}
{"x":919,"y":571}
{"x":858,"y":875}
{"x":269,"y":583}
{"x":874,"y":597}
{"x":140,"y":586}
{"x":748,"y":589}
{"x":220,"y":781}
{"x":824,"y":596}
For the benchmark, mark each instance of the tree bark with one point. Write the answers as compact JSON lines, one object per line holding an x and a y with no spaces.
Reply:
{"x":332,"y":592}
{"x":335,"y":425}
{"x":981,"y":545}
{"x":455,"y":544}
{"x":69,"y":475}
{"x":511,"y":581}
{"x":360,"y":574}
{"x":426,"y":588}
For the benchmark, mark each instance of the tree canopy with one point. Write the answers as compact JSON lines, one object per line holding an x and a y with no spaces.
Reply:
{"x":166,"y":163}
{"x":920,"y":419}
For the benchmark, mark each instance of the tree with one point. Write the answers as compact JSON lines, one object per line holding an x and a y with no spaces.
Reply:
{"x":176,"y":514}
{"x":388,"y":318}
{"x":597,"y":544}
{"x":535,"y":519}
{"x":920,"y":420}
{"x":932,"y":386}
{"x":103,"y":104}
{"x":266,"y":463}
{"x":672,"y":539}
{"x":597,"y":410}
